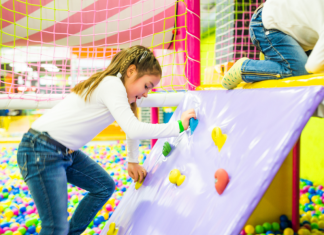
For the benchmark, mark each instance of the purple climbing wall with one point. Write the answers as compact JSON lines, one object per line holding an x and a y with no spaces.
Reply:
{"x":261,"y":125}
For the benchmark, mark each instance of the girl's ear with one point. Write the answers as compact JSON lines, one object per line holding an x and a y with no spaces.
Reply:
{"x":131,"y":69}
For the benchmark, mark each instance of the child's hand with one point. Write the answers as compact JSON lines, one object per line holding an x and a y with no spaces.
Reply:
{"x":190,"y":113}
{"x":136,"y":172}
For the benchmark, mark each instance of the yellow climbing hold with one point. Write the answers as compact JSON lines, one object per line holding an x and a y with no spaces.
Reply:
{"x":138,"y":185}
{"x":218,"y":137}
{"x":175,"y":177}
{"x":112,"y":229}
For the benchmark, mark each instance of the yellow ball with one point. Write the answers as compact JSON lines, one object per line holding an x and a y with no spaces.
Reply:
{"x":16,"y":233}
{"x":288,"y":231}
{"x":38,"y":229}
{"x":8,"y":213}
{"x":105,"y":215}
{"x":321,"y":224}
{"x":303,"y":231}
{"x":304,"y":201}
{"x":249,"y":229}
{"x":314,"y":220}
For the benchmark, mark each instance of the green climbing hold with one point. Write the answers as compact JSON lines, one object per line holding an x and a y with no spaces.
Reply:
{"x":166,"y":149}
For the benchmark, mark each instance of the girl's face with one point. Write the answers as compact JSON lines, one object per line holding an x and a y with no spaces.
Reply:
{"x":138,"y":88}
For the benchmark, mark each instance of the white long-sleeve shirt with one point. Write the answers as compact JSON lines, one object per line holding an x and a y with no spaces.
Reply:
{"x":74,"y":122}
{"x":304,"y":21}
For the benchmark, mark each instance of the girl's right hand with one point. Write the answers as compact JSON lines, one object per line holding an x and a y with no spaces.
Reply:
{"x":185,"y":117}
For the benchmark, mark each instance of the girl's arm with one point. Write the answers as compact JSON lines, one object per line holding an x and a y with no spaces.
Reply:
{"x":112,"y":93}
{"x":132,"y":150}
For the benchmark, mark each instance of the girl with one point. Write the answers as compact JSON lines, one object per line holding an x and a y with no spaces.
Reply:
{"x":48,"y":155}
{"x":283,"y":30}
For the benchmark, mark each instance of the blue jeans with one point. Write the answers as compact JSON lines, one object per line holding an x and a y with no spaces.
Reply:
{"x":284,"y":57}
{"x":46,"y":170}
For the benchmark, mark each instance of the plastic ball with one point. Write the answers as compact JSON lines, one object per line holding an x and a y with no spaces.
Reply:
{"x":267,"y":226}
{"x":288,"y":231}
{"x":249,"y":229}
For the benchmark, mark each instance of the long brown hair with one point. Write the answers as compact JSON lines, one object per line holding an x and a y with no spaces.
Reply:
{"x":145,"y":65}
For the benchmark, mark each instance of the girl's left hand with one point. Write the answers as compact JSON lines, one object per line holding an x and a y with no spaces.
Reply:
{"x":136,"y":172}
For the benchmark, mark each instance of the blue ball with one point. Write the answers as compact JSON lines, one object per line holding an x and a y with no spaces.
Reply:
{"x":283,"y":225}
{"x":96,"y":221}
{"x":31,"y":229}
{"x":305,"y":222}
{"x":5,"y":224}
{"x":311,"y":190}
{"x":5,"y":190}
{"x":123,"y":189}
{"x":101,"y":218}
{"x":319,"y":192}
{"x":269,"y":232}
{"x":22,"y":209}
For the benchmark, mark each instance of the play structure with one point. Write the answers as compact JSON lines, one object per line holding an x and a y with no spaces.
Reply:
{"x":252,"y":159}
{"x":239,"y":167}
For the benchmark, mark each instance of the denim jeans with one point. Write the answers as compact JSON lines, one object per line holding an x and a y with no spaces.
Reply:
{"x":284,"y":57}
{"x":46,"y":170}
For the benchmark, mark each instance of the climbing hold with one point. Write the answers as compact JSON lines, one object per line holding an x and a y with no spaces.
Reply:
{"x":221,"y":180}
{"x":175,"y":177}
{"x":218,"y":137}
{"x":193,"y":124}
{"x":138,"y":184}
{"x":112,"y":229}
{"x":166,"y":149}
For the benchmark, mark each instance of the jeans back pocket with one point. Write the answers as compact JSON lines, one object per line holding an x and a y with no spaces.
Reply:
{"x":22,"y":163}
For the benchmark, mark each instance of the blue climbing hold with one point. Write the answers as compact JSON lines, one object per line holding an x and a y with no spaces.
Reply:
{"x":193,"y":124}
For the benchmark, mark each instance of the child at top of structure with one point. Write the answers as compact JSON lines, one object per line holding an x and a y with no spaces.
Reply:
{"x":283,"y":30}
{"x":48,"y":155}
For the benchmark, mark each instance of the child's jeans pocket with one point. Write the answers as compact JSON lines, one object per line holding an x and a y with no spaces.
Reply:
{"x":22,"y":163}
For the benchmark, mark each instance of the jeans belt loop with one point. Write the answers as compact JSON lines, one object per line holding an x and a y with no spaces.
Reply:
{"x":33,"y":140}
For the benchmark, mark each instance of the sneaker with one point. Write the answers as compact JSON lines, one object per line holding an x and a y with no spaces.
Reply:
{"x":233,"y":77}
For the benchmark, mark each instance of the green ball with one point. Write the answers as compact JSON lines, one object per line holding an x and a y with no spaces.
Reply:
{"x":5,"y":195}
{"x":275,"y":226}
{"x":267,"y":226}
{"x":8,"y":232}
{"x":259,"y":229}
{"x":91,"y":232}
{"x":90,"y":225}
{"x":75,"y":199}
{"x":314,"y":226}
{"x":101,"y":226}
{"x":22,"y":230}
{"x":311,"y":207}
{"x":31,"y":222}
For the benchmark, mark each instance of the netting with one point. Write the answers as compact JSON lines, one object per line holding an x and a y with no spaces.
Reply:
{"x":207,"y":36}
{"x":48,"y":46}
{"x":232,"y":30}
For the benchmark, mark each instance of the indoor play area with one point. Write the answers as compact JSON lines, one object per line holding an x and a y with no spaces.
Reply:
{"x":250,"y":164}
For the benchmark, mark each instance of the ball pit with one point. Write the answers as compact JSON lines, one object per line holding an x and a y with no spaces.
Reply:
{"x":18,"y":213}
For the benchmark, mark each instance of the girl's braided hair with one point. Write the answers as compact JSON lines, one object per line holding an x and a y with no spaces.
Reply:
{"x":140,"y":56}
